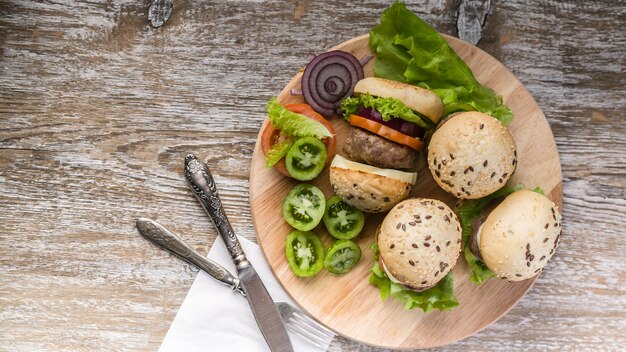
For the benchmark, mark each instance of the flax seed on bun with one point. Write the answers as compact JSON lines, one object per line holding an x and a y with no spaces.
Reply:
{"x":419,"y":242}
{"x":520,"y":235}
{"x":368,"y":188}
{"x":417,"y":99}
{"x":472,"y":155}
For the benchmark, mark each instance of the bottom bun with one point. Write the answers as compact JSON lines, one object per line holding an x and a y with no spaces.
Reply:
{"x":369,"y":191}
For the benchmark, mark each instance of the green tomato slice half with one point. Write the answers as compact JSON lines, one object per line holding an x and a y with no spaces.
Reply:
{"x":306,"y":158}
{"x":304,"y":207}
{"x":305,"y":253}
{"x":342,"y":256}
{"x":342,"y":220}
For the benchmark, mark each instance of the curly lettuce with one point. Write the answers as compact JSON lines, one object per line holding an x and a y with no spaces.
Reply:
{"x":293,"y":124}
{"x":440,"y":296}
{"x":408,"y":50}
{"x":468,"y":211}
{"x":277,"y":152}
{"x":388,"y":107}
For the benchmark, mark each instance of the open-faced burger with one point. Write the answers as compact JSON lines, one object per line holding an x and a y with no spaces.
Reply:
{"x":389,"y":121}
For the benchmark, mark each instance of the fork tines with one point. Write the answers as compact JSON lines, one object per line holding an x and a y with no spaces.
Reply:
{"x":304,"y":326}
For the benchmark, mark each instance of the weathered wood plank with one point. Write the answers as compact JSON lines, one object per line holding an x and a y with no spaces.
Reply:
{"x":97,"y":110}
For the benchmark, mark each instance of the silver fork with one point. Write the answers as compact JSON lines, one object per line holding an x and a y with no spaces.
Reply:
{"x":304,"y":326}
{"x":295,"y":320}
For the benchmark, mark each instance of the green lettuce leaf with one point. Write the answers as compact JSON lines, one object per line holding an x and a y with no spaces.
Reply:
{"x":293,"y":124}
{"x":468,"y":211}
{"x":407,"y":49}
{"x":388,"y":107}
{"x":440,"y":296}
{"x":277,"y":152}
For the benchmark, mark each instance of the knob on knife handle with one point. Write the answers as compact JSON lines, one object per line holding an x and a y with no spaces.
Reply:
{"x":162,"y":237}
{"x":202,"y":185}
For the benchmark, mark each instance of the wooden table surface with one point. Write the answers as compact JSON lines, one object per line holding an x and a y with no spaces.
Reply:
{"x":98,"y":109}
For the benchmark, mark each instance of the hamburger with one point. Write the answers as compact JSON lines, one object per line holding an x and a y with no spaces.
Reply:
{"x":516,"y":236}
{"x":389,"y":121}
{"x":419,"y":241}
{"x":471,"y":155}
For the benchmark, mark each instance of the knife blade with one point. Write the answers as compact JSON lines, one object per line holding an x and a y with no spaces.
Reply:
{"x":266,"y":314}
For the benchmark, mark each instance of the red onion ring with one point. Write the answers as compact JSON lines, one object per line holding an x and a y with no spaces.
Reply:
{"x":328,"y":79}
{"x":365,"y":59}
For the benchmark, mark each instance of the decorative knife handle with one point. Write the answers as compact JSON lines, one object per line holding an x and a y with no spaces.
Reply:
{"x":202,"y":185}
{"x":162,"y":237}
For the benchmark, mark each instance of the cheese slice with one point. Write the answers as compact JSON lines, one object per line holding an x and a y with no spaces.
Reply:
{"x":480,"y":231}
{"x":389,"y":274}
{"x":343,"y":163}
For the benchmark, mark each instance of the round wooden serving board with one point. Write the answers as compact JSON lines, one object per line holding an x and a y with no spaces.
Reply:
{"x":348,"y":304}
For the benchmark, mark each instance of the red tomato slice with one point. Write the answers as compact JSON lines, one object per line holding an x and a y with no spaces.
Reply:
{"x":386,"y":132}
{"x":271,"y":135}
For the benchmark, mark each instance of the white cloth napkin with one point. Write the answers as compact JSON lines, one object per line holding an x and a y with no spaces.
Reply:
{"x":215,"y":318}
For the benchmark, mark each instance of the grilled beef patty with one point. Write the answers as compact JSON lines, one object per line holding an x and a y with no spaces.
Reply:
{"x":366,"y":147}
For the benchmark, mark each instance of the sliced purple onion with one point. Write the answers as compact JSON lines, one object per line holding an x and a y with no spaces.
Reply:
{"x":404,"y":127}
{"x":328,"y":79}
{"x":365,"y":59}
{"x":296,"y":91}
{"x":371,"y":114}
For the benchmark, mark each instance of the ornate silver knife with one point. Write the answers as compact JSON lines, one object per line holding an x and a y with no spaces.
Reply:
{"x":267,"y":316}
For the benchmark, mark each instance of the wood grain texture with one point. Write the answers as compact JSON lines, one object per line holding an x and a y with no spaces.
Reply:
{"x":97,"y":111}
{"x":348,"y":296}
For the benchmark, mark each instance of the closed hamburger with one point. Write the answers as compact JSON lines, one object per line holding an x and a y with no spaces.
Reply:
{"x":419,"y":243}
{"x":516,"y":237}
{"x":471,"y":155}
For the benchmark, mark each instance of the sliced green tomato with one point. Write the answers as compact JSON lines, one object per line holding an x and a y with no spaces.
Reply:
{"x":306,"y":158}
{"x":304,"y":207}
{"x":305,"y":253}
{"x":342,"y":220}
{"x":341,"y":256}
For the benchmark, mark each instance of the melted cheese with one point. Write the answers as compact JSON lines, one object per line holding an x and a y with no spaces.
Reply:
{"x":343,"y":163}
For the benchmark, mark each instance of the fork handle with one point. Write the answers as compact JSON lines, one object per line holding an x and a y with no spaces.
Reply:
{"x":202,"y":185}
{"x":167,"y":240}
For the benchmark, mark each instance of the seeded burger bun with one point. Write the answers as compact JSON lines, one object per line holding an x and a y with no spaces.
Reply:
{"x":369,"y":188}
{"x":520,"y":235}
{"x":419,"y":242}
{"x":418,"y":99}
{"x":471,"y":155}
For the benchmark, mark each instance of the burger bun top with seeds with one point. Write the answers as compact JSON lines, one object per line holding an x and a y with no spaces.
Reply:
{"x":419,"y":242}
{"x":520,"y":235}
{"x":471,"y":155}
